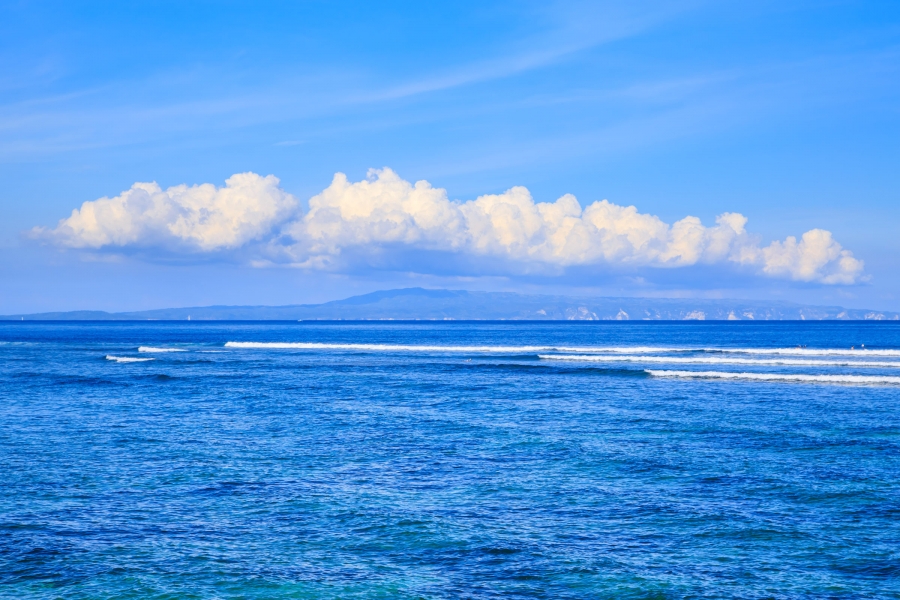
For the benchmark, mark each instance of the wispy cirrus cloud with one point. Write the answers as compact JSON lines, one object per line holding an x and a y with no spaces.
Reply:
{"x":349,"y":220}
{"x":180,"y":98}
{"x":572,"y":28}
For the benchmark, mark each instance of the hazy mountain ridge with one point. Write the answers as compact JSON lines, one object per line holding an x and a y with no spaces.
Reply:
{"x":422,"y":304}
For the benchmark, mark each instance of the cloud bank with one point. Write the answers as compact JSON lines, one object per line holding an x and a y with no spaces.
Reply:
{"x":200,"y":218}
{"x":253,"y":214}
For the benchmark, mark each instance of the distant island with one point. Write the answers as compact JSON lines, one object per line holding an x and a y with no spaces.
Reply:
{"x":427,"y":304}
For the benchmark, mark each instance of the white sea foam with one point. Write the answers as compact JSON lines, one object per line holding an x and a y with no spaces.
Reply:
{"x":809,"y":351}
{"x":429,"y":348}
{"x":856,"y":352}
{"x":155,"y":349}
{"x":713,"y":360}
{"x":127,"y":359}
{"x":855,"y":379}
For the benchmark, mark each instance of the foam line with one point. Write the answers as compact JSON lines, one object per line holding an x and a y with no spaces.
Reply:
{"x":127,"y":359}
{"x":857,"y":379}
{"x":155,"y":349}
{"x":711,"y":360}
{"x":427,"y":348}
{"x":808,"y":351}
{"x":548,"y":348}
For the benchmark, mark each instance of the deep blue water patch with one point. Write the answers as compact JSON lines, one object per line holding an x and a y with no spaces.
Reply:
{"x":389,"y":470}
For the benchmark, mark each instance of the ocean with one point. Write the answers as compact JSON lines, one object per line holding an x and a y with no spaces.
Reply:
{"x":449,"y":460}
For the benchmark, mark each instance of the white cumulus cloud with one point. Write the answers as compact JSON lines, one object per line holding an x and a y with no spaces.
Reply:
{"x":385,"y":210}
{"x":201,"y":217}
{"x":816,"y":257}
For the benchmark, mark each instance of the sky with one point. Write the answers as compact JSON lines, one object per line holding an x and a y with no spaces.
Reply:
{"x":164,"y":154}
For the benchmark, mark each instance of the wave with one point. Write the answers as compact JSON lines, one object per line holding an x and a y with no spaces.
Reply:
{"x":155,"y":349}
{"x":430,"y":348}
{"x":551,"y":348}
{"x":711,"y":360}
{"x":808,"y":351}
{"x":127,"y":359}
{"x":857,"y":379}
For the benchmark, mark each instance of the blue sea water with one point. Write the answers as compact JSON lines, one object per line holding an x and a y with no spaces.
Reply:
{"x":449,"y":460}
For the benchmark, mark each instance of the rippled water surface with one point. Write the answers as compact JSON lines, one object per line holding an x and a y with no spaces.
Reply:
{"x":447,"y":460}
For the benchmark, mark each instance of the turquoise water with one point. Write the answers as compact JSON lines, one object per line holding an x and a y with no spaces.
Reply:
{"x":424,"y":460}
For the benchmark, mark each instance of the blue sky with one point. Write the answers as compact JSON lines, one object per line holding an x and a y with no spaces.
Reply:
{"x":787,"y":113}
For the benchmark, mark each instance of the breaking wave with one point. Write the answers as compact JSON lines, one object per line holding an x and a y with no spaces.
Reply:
{"x":809,"y":351}
{"x":430,"y":348}
{"x":853,"y":379}
{"x":711,"y":360}
{"x":127,"y":359}
{"x":155,"y":349}
{"x":855,"y":352}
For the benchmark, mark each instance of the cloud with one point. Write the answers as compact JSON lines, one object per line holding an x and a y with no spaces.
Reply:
{"x":201,"y":218}
{"x":816,"y":257}
{"x":349,"y":219}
